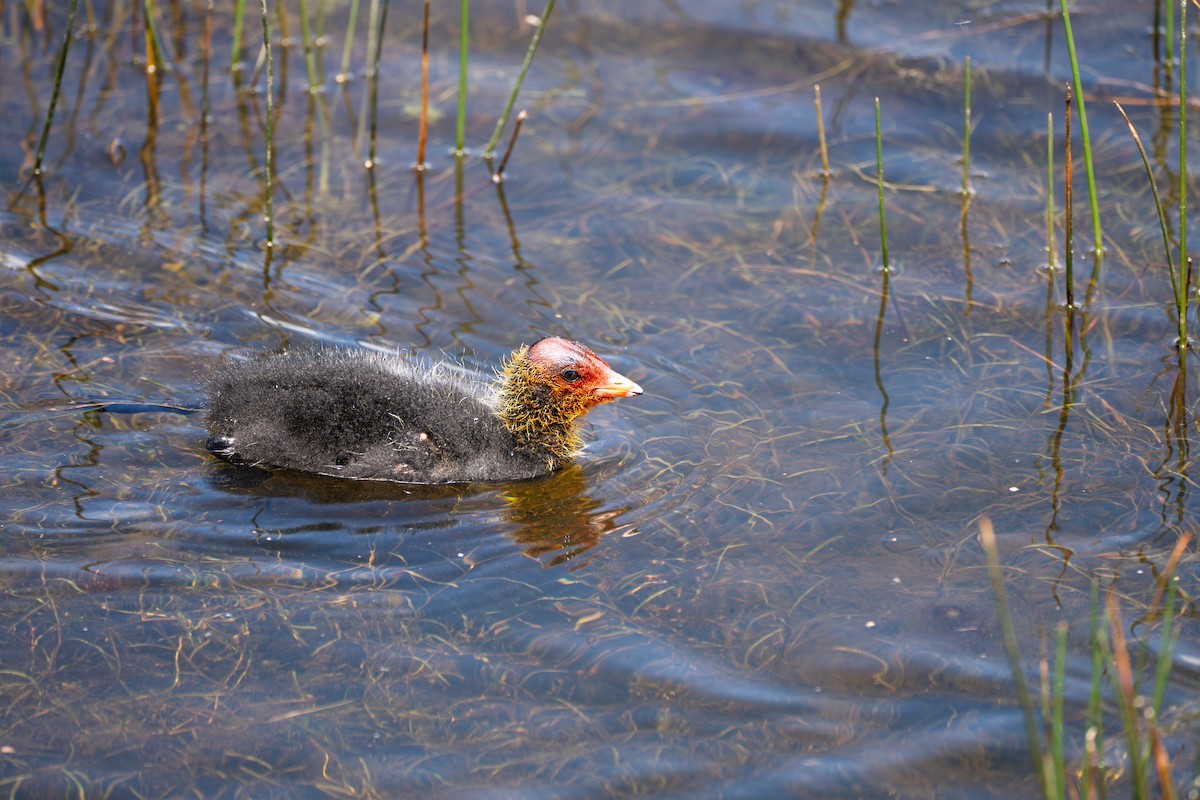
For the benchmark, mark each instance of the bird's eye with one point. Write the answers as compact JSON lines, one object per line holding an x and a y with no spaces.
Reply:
{"x":570,"y":375}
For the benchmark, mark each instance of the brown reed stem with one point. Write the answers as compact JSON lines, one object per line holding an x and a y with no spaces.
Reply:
{"x":424,"y":90}
{"x":511,"y":144}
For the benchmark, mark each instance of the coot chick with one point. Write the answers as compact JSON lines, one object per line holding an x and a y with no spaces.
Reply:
{"x":362,"y":414}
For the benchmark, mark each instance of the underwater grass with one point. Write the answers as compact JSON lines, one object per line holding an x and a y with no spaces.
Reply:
{"x":490,"y":148}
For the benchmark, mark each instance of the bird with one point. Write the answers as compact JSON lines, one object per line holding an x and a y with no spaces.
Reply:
{"x":367,"y":415}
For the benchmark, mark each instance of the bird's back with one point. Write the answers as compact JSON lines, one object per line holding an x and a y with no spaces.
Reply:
{"x":360,"y":414}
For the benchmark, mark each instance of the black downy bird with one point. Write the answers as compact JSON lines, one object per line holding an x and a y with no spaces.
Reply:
{"x":367,"y":415}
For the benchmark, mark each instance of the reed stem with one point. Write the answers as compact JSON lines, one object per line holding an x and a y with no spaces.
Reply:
{"x":1169,"y":42}
{"x":208,"y":13}
{"x":966,"y":156}
{"x":344,"y":73}
{"x":310,"y":63}
{"x":1094,"y":738}
{"x":490,"y":149}
{"x":512,"y":142}
{"x":463,"y":52}
{"x":155,"y":40}
{"x":1083,"y":129}
{"x":378,"y":20}
{"x":59,"y":68}
{"x":987,"y":537}
{"x":269,"y":184}
{"x":1178,"y":277}
{"x":887,"y":265}
{"x":239,"y":19}
{"x":821,"y":131}
{"x":1181,"y":297}
{"x":1068,"y":208}
{"x":1051,"y":263}
{"x":1056,"y":711}
{"x":424,"y":133}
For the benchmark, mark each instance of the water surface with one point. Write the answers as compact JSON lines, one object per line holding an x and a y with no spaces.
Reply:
{"x":762,"y":579}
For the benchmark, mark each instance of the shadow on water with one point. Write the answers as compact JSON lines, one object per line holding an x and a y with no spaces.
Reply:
{"x":761,"y":579}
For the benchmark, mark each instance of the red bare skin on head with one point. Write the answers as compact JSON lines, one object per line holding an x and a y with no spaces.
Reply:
{"x":575,"y":369}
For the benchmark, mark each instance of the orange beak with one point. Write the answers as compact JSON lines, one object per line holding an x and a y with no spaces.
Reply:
{"x":616,"y":385}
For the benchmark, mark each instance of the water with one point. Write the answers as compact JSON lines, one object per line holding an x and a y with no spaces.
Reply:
{"x":762,"y":579}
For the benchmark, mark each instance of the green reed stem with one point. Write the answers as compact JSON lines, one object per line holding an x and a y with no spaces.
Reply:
{"x":160,"y":49}
{"x":379,"y":20}
{"x":1069,"y":209}
{"x":1181,"y":295}
{"x":966,"y":156}
{"x":1050,"y":189}
{"x":1083,"y":129}
{"x":1056,"y":713}
{"x":344,"y":72}
{"x":821,"y":131}
{"x":1119,"y":666}
{"x":887,"y":264}
{"x":463,"y":52}
{"x":1094,"y":744}
{"x":1170,"y":28}
{"x":59,"y":68}
{"x":207,"y":60}
{"x":1178,"y":277}
{"x":1166,"y":646}
{"x":319,"y":41}
{"x":269,"y":185}
{"x":306,"y":36}
{"x":987,"y":537}
{"x":239,"y":18}
{"x":490,"y":149}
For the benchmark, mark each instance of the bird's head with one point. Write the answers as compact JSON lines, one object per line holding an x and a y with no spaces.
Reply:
{"x":545,"y":387}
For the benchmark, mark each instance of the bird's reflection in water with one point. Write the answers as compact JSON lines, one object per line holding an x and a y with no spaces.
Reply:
{"x":557,"y":520}
{"x":554,"y":519}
